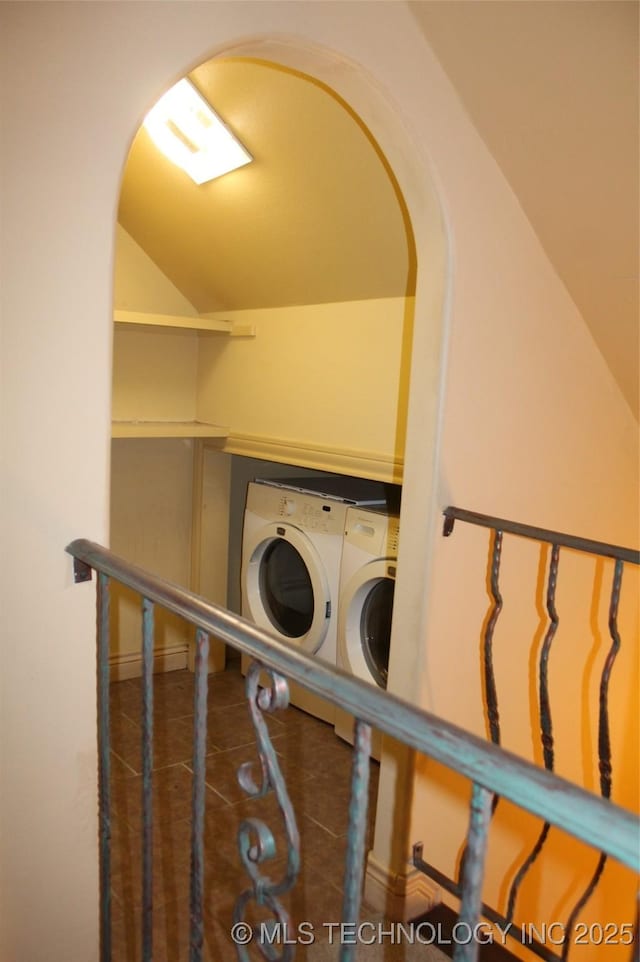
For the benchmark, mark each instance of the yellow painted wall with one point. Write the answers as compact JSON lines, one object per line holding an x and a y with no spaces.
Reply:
{"x":210,"y":535}
{"x":154,"y":374}
{"x":138,"y":285}
{"x":151,"y":489}
{"x":323,"y":377}
{"x":154,"y":371}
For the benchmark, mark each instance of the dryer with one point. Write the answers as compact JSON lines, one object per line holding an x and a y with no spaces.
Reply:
{"x":367,"y":584}
{"x":291,"y":554}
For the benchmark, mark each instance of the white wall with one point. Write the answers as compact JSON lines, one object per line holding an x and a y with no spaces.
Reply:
{"x":58,"y":211}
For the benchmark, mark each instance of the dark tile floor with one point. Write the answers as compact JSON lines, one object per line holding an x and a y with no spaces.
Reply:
{"x":316,"y":765}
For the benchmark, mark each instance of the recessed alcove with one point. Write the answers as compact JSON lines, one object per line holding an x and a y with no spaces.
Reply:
{"x":266,"y":316}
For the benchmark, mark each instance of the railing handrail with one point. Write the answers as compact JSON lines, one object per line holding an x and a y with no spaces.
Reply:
{"x":618,"y":552}
{"x":594,"y":820}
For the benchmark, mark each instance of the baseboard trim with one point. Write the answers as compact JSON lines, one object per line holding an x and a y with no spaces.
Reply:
{"x":400,"y":897}
{"x":122,"y":667}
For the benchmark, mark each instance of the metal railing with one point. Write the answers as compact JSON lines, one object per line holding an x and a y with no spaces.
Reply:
{"x":557,"y":540}
{"x":491,"y":770}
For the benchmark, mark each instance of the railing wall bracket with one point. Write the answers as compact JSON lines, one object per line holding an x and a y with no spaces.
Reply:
{"x":81,"y":571}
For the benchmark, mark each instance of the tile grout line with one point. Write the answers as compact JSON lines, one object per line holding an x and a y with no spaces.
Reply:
{"x":210,"y":787}
{"x":123,"y":762}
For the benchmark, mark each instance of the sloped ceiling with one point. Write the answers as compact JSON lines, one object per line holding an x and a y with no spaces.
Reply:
{"x":552,"y":87}
{"x":314,"y":219}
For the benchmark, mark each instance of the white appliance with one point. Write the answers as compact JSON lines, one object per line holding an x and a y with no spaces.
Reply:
{"x":367,"y":583}
{"x":291,"y":552}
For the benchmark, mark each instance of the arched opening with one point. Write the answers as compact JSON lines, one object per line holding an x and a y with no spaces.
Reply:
{"x":58,"y":293}
{"x":307,"y":253}
{"x":313,"y":387}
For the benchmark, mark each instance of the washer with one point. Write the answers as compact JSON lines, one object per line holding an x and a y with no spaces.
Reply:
{"x":291,"y":553}
{"x":367,"y":583}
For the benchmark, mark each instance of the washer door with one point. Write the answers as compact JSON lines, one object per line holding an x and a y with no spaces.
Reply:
{"x":285,"y":585}
{"x":366,"y":610}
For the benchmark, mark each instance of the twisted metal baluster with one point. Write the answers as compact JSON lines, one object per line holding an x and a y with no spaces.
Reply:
{"x":493,"y":713}
{"x":491,"y":691}
{"x":604,"y":745}
{"x":475,"y":853}
{"x":490,"y":687}
{"x":545,"y":721}
{"x":255,"y":840}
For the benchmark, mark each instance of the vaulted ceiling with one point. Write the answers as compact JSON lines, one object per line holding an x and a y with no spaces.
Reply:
{"x":314,"y":220}
{"x":552,"y":88}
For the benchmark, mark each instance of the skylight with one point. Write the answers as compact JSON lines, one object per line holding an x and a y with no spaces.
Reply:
{"x":191,"y":135}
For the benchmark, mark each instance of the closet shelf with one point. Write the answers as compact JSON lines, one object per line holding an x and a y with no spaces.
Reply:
{"x":168,"y":321}
{"x":167,"y":429}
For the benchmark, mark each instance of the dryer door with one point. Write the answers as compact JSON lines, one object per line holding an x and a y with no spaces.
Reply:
{"x":285,"y":586}
{"x":364,"y":626}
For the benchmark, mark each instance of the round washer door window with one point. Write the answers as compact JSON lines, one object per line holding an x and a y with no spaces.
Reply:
{"x":285,"y":586}
{"x":375,"y":629}
{"x":286,"y":589}
{"x":364,"y":621}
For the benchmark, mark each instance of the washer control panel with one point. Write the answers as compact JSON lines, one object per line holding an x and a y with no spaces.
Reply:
{"x":373,"y":532}
{"x":393,"y":536}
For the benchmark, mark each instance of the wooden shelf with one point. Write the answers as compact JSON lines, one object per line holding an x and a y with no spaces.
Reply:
{"x":167,"y":321}
{"x":167,"y":429}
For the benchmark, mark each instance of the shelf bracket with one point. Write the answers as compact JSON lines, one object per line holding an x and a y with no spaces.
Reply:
{"x":243,"y":330}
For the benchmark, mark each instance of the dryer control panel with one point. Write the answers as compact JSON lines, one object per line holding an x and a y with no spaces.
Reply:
{"x":312,"y":514}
